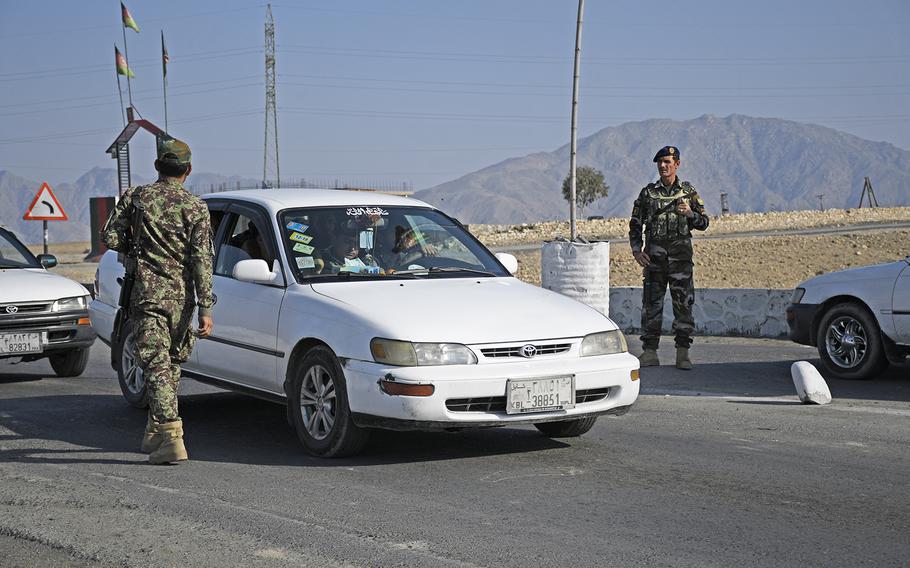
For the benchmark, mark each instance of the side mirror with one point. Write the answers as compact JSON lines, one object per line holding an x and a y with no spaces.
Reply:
{"x":509,"y":261}
{"x":254,"y":270}
{"x":47,"y":260}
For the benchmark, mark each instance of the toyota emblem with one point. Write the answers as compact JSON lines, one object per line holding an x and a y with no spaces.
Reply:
{"x":12,"y":309}
{"x":527,"y":351}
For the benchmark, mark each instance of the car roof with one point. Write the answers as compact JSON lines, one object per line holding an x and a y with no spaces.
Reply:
{"x":278,"y":199}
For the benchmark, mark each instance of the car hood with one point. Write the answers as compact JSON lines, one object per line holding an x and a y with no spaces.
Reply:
{"x":467,"y":310}
{"x":888,"y":270}
{"x":36,"y":285}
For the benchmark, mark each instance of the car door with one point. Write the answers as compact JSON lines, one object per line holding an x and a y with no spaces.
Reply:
{"x":901,"y":305}
{"x":242,"y":348}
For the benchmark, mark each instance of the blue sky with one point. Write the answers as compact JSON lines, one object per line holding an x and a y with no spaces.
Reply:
{"x":422,"y":92}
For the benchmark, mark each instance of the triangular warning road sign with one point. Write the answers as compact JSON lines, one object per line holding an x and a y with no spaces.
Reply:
{"x":45,"y":207}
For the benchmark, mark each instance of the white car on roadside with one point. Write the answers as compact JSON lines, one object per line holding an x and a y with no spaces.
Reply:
{"x":859,"y":318}
{"x":42,"y":315}
{"x":361,"y":310}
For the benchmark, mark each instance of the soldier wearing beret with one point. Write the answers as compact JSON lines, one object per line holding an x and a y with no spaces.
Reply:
{"x":660,"y":233}
{"x":173,"y":276}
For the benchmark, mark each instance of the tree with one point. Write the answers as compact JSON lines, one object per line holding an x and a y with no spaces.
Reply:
{"x":589,"y":187}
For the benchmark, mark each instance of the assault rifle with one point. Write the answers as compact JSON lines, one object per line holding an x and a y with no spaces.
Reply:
{"x":129,"y":277}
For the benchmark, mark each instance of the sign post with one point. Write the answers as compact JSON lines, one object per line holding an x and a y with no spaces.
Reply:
{"x":45,"y":207}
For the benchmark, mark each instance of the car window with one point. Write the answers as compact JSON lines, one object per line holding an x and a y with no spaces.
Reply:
{"x":245,"y":240}
{"x":14,"y":254}
{"x":375,"y":242}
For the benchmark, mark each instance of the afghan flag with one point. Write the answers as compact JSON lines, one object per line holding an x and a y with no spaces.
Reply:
{"x":164,"y":58}
{"x":120,"y":62}
{"x":128,"y":21}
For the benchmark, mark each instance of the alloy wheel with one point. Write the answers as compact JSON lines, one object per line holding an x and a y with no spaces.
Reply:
{"x":134,"y":378}
{"x":845,"y":342}
{"x":317,"y":402}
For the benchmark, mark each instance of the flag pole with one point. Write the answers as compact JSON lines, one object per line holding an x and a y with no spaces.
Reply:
{"x":164,"y":61}
{"x":126,"y":54}
{"x":119,"y":88}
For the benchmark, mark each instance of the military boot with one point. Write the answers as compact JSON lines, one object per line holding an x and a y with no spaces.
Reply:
{"x":682,"y":359}
{"x":152,"y":438}
{"x":648,"y":358}
{"x":171,"y":449}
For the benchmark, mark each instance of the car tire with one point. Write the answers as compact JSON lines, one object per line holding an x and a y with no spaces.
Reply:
{"x":850,"y":343}
{"x":319,"y":407}
{"x":129,"y":375}
{"x":566,"y":428}
{"x":70,"y":363}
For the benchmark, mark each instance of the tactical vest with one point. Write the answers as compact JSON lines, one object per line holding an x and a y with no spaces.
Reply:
{"x":662,"y":220}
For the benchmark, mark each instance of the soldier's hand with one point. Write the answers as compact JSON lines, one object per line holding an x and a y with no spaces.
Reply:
{"x":205,"y":326}
{"x":682,"y":207}
{"x":642,"y":258}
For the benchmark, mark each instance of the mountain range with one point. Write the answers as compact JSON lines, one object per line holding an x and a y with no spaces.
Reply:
{"x":762,"y":164}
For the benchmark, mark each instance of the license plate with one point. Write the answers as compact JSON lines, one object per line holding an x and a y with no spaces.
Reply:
{"x":16,"y":343}
{"x":540,"y":394}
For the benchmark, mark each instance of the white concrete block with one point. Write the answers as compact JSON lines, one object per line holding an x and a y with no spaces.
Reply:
{"x":580,"y":271}
{"x":810,"y":386}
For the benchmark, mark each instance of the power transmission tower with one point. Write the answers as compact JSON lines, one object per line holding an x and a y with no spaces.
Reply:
{"x":821,"y":203}
{"x":270,"y":156}
{"x":867,"y":190}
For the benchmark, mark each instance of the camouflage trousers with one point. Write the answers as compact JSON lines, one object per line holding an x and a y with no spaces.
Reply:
{"x":164,"y":340}
{"x":671,"y":265}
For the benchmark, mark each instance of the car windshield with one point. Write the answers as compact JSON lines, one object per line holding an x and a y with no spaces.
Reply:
{"x":13,"y":253}
{"x":370,"y":242}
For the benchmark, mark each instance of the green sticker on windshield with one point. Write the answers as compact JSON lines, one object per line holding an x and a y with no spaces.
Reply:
{"x":305,"y":249}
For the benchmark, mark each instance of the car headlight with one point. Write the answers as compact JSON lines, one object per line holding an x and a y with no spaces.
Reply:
{"x":408,"y":354}
{"x":798,"y":294}
{"x":69,"y":304}
{"x":603,"y":343}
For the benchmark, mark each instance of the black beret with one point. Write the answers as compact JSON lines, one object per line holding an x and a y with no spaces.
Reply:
{"x":667,"y":151}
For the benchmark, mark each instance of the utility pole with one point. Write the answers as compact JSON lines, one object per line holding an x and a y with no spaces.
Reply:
{"x":821,"y":203}
{"x":573,"y":231}
{"x":271,"y":112}
{"x":867,"y":190}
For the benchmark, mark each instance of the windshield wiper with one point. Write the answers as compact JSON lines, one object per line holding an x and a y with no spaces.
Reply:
{"x":445,"y":269}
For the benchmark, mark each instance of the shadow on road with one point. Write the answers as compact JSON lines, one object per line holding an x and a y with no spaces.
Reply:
{"x":222,"y":427}
{"x":768,"y":379}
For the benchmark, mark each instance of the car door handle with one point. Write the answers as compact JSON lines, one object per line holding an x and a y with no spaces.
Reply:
{"x":214,"y":299}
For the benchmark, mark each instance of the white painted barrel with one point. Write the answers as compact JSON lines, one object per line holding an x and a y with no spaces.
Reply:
{"x":580,"y":271}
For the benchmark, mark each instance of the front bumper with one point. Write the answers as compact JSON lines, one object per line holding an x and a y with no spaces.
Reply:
{"x":800,"y":319}
{"x":603,"y":385}
{"x":65,"y":330}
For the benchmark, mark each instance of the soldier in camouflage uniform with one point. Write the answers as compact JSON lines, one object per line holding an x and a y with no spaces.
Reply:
{"x":665,"y":212}
{"x":173,"y":276}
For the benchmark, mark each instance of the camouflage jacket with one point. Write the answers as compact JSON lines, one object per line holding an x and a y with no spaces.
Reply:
{"x":652,"y":214}
{"x":175,"y":244}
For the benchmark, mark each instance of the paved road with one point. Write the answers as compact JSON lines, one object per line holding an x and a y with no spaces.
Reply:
{"x":775,"y":233}
{"x":716,"y":467}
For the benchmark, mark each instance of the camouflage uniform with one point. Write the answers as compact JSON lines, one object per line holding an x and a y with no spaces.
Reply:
{"x":173,"y":275}
{"x":669,"y":244}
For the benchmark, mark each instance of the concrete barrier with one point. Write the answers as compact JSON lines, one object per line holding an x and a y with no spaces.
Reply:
{"x":750,"y":312}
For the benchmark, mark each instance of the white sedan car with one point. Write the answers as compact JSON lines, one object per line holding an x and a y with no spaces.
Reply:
{"x":859,"y":318}
{"x":362,"y":310}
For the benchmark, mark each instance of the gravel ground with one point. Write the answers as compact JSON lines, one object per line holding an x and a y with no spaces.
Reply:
{"x":736,"y":262}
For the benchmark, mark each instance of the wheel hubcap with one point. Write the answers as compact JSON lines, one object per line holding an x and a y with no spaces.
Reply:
{"x":317,"y":402}
{"x":845,"y":342}
{"x":133,"y":375}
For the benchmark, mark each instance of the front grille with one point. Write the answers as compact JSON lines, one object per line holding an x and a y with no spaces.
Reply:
{"x":24,"y":309}
{"x":515,"y":351}
{"x":498,"y":403}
